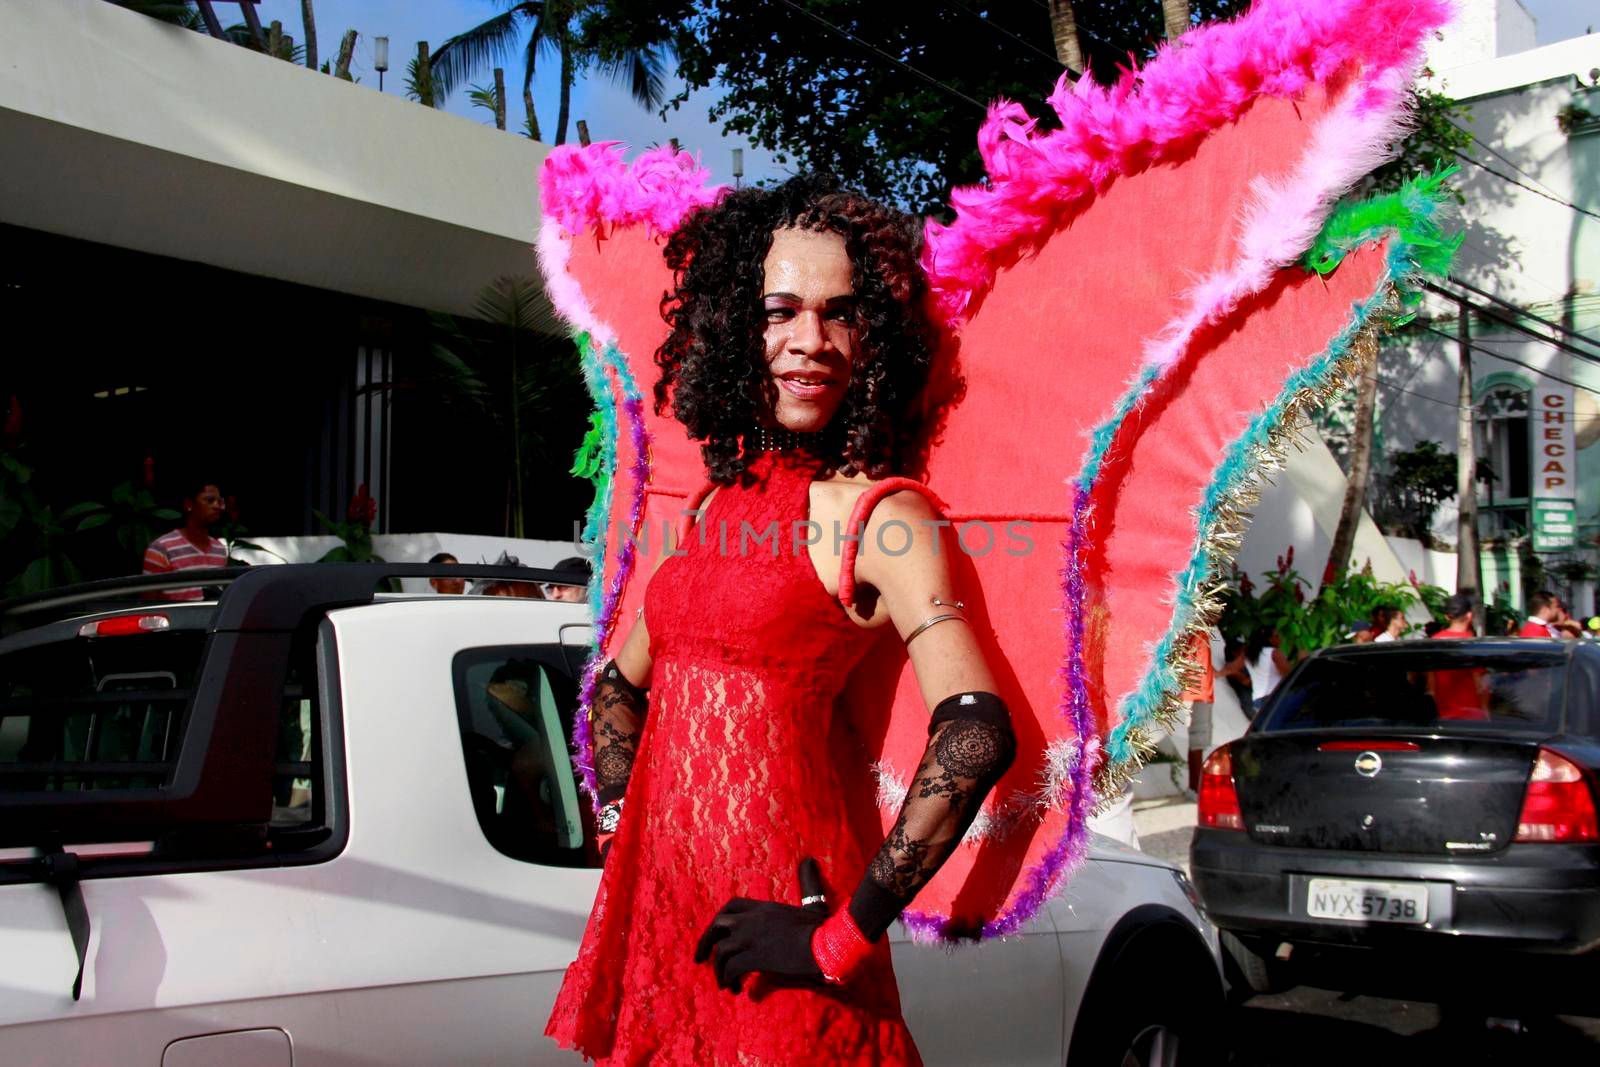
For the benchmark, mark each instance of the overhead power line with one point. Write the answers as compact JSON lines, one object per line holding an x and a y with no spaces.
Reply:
{"x":1023,"y":41}
{"x":1502,"y":356}
{"x":1495,"y":316}
{"x":1508,"y":305}
{"x":1502,"y":158}
{"x":1522,"y":185}
{"x":869,"y":46}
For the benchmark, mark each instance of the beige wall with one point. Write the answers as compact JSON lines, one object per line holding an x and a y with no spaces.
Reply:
{"x":119,"y":129}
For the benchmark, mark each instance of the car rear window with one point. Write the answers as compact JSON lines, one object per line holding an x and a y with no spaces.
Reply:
{"x":107,"y":713}
{"x":1425,"y":687}
{"x":95,"y":713}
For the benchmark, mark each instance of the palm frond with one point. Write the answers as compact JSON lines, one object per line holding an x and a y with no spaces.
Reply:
{"x":642,"y":71}
{"x":177,"y":12}
{"x":539,"y":40}
{"x":481,"y":47}
{"x":517,"y":304}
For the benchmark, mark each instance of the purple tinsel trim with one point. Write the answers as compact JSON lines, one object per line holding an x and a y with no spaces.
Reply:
{"x":1044,"y":878}
{"x":582,"y":728}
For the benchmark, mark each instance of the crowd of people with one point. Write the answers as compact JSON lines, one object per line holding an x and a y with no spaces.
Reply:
{"x":193,"y":546}
{"x":1256,"y":666}
{"x":572,"y":586}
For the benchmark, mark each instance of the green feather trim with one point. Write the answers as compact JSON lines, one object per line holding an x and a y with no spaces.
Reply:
{"x":586,"y":461}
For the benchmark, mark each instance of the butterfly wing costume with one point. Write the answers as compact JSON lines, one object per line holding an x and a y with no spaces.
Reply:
{"x":1135,"y":307}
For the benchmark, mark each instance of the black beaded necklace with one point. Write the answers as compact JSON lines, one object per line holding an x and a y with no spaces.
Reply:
{"x":778,"y":439}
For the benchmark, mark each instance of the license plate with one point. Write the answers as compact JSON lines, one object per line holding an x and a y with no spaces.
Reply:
{"x":1370,"y":902}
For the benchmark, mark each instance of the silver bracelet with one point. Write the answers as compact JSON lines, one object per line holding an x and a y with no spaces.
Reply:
{"x":931,"y":622}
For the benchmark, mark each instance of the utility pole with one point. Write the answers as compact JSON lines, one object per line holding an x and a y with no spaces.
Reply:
{"x":1469,"y":574}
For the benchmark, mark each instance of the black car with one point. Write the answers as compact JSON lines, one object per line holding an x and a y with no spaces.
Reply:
{"x":1415,"y":819}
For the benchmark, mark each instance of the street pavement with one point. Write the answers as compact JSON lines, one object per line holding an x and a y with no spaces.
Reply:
{"x":1308,"y":1027}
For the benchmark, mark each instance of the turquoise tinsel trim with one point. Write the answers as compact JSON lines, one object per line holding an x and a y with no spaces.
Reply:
{"x":1411,"y":215}
{"x":599,"y":452}
{"x":602,"y":459}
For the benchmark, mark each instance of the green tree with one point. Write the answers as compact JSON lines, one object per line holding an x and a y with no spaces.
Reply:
{"x":518,"y":376}
{"x":849,"y":85}
{"x":625,"y":40}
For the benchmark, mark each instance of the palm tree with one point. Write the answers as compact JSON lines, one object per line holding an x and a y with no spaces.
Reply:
{"x":1064,"y":30}
{"x":564,"y":28}
{"x":1175,"y":13}
{"x":517,"y":374}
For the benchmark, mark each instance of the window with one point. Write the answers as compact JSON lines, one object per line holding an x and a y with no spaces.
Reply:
{"x":1503,"y":441}
{"x":109,"y":715}
{"x":1583,"y":699}
{"x":95,"y":713}
{"x":1444,"y":689}
{"x":515,"y":705}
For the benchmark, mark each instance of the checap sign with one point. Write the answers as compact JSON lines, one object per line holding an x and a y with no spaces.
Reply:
{"x":1555,"y":467}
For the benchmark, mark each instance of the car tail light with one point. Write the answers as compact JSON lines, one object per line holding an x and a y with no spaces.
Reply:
{"x":123,"y":625}
{"x":1219,"y":801}
{"x":1557,"y":806}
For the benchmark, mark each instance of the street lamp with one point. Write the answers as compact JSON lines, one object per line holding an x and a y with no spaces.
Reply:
{"x":738,"y":166}
{"x":380,"y":58}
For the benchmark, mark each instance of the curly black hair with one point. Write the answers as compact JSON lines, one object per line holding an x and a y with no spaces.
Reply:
{"x":713,"y":362}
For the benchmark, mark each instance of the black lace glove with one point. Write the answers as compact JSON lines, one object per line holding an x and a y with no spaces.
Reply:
{"x":619,"y":713}
{"x":766,"y":936}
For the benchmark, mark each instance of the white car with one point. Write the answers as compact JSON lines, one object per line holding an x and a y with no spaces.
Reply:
{"x":306,"y":825}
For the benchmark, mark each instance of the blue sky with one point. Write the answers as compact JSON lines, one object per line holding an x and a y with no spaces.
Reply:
{"x":610,"y":112}
{"x":1560,"y":19}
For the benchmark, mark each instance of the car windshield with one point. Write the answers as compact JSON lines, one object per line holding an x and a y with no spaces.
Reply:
{"x":1426,"y":687}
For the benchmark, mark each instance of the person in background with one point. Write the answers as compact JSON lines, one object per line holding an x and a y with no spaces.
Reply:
{"x":1458,"y":694}
{"x":190,"y":546}
{"x":1564,"y":624}
{"x":576,"y":570}
{"x":1236,"y":672}
{"x":523,"y":590}
{"x":1360,"y":632}
{"x":1267,"y":665}
{"x":447,"y":586}
{"x":1388,"y":624}
{"x":1545,"y":608}
{"x":1206,"y":650}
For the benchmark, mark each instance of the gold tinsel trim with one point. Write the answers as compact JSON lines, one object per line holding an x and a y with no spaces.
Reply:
{"x":1221,"y":541}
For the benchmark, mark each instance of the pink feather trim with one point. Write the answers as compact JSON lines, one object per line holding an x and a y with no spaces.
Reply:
{"x":1285,"y":216}
{"x":565,"y":291}
{"x":593,"y":186}
{"x":1205,"y":80}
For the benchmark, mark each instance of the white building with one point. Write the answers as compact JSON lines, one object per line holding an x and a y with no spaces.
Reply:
{"x":1532,"y":222}
{"x":219,"y":259}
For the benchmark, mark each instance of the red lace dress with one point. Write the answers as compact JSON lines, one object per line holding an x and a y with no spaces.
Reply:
{"x":732,"y":788}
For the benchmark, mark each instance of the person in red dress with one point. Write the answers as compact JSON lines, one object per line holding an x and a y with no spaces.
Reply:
{"x":738,"y":920}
